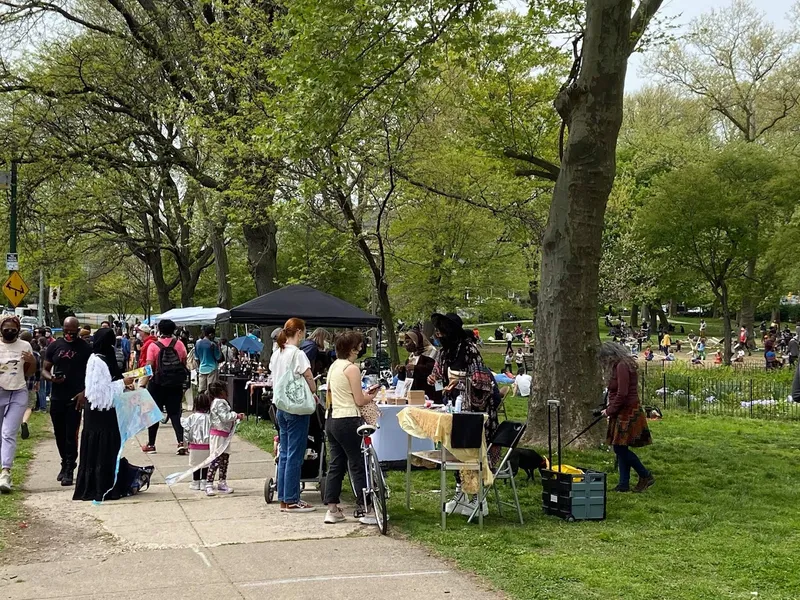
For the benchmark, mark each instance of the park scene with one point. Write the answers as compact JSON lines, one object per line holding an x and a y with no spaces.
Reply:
{"x":474,"y":299}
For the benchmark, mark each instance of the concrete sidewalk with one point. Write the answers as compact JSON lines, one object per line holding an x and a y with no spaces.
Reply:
{"x":175,"y":544}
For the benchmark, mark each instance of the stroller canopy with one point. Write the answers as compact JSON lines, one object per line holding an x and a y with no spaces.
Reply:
{"x":315,"y":307}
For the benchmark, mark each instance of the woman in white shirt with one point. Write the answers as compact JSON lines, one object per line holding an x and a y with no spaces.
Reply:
{"x":344,"y":418}
{"x":16,"y":364}
{"x":292,"y":429}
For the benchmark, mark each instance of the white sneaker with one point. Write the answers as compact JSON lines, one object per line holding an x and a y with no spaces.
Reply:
{"x":333,"y":517}
{"x":467,"y":510}
{"x":223,"y":488}
{"x":195,"y":485}
{"x":210,"y":490}
{"x":5,"y":481}
{"x":368,"y":519}
{"x":451,"y":506}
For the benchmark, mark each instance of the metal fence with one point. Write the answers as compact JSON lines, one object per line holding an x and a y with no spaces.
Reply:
{"x":705,"y":392}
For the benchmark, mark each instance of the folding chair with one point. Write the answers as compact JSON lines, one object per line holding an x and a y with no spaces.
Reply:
{"x":467,"y":434}
{"x":506,"y":391}
{"x":508,"y":435}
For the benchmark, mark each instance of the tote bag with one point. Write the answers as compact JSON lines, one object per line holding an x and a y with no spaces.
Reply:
{"x":292,"y":394}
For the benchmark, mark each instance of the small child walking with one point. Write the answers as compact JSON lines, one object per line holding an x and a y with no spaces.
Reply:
{"x":509,"y":358}
{"x":196,"y":433}
{"x":223,"y":420}
{"x":520,"y":361}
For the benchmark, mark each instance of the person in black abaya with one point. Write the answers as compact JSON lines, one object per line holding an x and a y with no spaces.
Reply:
{"x":100,"y":440}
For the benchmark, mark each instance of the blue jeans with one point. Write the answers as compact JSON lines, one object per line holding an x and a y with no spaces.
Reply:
{"x":627,"y":459}
{"x":293,"y":433}
{"x":41,"y":396}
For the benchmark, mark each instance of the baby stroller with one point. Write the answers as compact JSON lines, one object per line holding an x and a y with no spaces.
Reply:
{"x":315,"y":464}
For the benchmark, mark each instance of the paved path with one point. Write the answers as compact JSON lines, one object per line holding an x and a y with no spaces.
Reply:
{"x":176,"y":544}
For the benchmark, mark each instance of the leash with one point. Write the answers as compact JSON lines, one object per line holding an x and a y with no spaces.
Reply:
{"x":592,"y":424}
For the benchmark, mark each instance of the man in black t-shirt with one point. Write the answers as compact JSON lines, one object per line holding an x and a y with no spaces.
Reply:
{"x":65,"y":365}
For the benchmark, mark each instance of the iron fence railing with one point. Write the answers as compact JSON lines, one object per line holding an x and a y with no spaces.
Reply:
{"x":703,"y":391}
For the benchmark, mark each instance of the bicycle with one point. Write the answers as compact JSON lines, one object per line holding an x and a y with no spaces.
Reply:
{"x":375,"y":483}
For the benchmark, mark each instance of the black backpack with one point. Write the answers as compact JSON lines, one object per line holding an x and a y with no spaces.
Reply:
{"x":170,"y":372}
{"x":120,"y":356}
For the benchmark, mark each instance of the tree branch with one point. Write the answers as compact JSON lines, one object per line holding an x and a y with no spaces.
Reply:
{"x":641,"y":19}
{"x":547,"y":170}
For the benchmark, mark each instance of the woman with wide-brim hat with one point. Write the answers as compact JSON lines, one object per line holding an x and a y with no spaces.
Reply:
{"x":459,"y":365}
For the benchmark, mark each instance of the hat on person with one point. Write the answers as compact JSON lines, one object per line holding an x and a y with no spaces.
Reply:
{"x":145,"y":328}
{"x":450,"y":323}
{"x":275,"y":333}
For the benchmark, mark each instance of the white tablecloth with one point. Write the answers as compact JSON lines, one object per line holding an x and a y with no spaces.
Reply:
{"x":391,"y":442}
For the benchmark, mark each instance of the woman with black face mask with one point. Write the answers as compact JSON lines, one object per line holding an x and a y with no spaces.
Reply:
{"x":460,"y":369}
{"x":16,"y":364}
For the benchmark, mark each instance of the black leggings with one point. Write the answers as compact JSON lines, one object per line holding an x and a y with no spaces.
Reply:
{"x":200,"y":474}
{"x":344,"y":445}
{"x":170,"y":401}
{"x":221,"y":463}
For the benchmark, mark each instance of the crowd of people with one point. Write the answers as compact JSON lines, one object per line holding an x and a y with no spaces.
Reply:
{"x":81,"y":377}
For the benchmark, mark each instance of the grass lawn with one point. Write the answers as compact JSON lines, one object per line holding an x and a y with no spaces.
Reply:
{"x":721,"y":522}
{"x":11,"y":504}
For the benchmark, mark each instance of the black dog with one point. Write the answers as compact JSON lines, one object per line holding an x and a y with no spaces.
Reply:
{"x":527,"y":460}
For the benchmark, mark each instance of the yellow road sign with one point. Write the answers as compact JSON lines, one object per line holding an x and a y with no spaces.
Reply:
{"x":15,"y":288}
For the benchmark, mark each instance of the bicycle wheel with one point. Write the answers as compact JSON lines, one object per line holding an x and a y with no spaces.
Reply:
{"x":378,"y":492}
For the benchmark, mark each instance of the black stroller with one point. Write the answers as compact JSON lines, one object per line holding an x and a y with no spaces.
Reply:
{"x":315,"y":464}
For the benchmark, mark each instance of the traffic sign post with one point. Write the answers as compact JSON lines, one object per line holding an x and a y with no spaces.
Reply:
{"x":12,"y":261}
{"x":15,"y":289}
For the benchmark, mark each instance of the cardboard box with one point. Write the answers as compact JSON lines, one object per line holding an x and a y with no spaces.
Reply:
{"x":395,"y":400}
{"x":416,"y":397}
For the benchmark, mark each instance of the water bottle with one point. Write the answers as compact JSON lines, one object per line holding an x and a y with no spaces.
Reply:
{"x":459,"y":403}
{"x":449,"y":407}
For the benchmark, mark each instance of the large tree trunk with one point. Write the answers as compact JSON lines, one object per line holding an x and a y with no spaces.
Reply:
{"x":726,"y":325}
{"x":262,"y":254}
{"x":153,"y":260}
{"x":635,"y":316}
{"x":572,"y":244}
{"x":748,"y":310}
{"x":663,"y":321}
{"x":222,"y":271}
{"x":385,"y":308}
{"x":646,"y":314}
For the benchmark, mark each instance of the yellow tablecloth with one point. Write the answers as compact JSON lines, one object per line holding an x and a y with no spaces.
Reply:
{"x":438,"y":426}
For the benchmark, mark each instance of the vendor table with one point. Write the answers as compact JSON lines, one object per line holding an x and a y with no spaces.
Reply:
{"x":438,"y":427}
{"x":390,"y":441}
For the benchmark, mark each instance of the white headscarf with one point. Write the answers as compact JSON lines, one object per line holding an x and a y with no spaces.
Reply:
{"x":100,"y":390}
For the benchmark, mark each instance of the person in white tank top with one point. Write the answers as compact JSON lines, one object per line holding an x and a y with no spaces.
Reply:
{"x":344,"y":443}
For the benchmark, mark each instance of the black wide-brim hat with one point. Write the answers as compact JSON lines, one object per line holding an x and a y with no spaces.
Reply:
{"x":449,"y":324}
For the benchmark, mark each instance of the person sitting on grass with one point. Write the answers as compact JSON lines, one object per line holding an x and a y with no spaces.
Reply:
{"x":670,"y":357}
{"x":648,"y":353}
{"x":718,"y":357}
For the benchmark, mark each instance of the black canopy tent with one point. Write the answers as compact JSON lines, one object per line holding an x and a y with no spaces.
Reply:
{"x":314,"y":307}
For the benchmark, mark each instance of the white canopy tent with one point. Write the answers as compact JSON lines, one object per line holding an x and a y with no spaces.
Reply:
{"x":195,"y":315}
